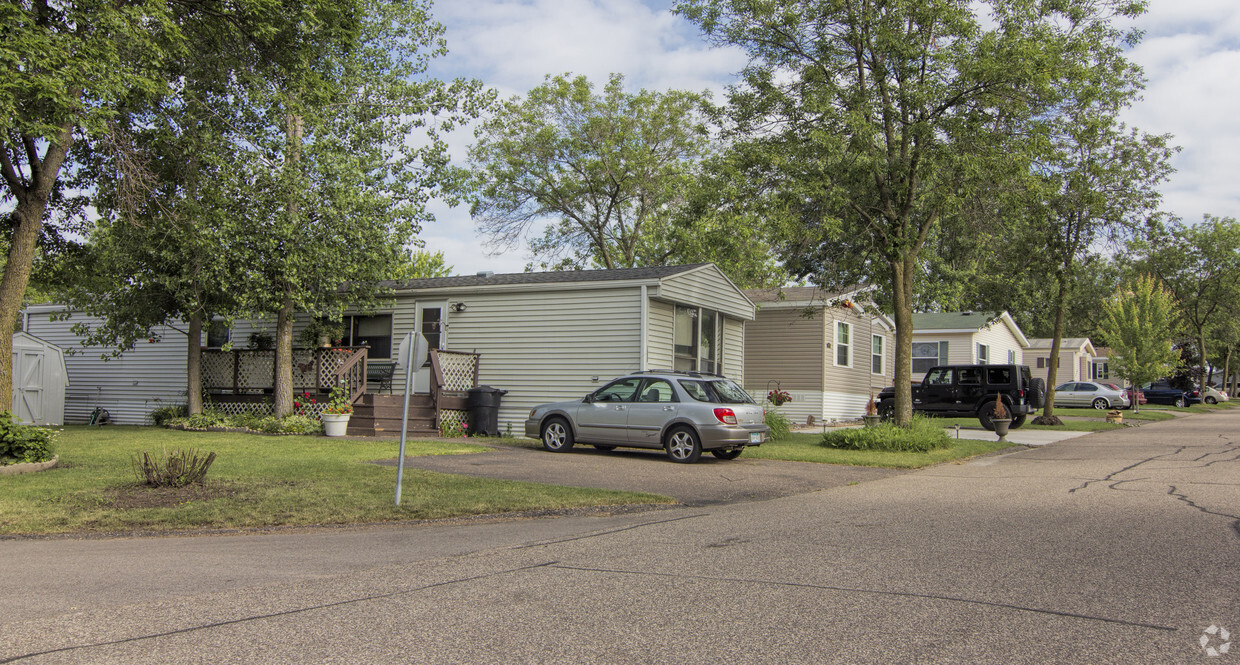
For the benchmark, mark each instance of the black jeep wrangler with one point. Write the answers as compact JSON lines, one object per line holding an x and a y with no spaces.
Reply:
{"x":970,"y":390}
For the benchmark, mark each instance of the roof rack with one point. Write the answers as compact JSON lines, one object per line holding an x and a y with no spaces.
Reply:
{"x":692,"y":373}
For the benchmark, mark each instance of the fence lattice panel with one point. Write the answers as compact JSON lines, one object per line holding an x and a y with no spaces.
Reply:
{"x":458,"y":371}
{"x":449,"y":419}
{"x":329,"y":362}
{"x":256,"y":371}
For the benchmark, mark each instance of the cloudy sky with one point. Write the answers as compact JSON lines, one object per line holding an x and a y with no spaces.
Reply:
{"x":1190,"y":53}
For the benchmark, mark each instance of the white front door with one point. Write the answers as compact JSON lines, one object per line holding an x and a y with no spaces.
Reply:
{"x":430,"y":320}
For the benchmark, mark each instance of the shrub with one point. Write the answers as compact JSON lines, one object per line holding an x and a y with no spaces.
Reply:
{"x":166,"y":414}
{"x":296,"y":424}
{"x":779,"y":424}
{"x":173,"y":469}
{"x":922,"y":435}
{"x":290,"y":424}
{"x":24,"y":443}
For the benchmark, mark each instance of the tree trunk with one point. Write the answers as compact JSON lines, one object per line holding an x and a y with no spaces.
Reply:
{"x":283,"y":391}
{"x":902,"y":301}
{"x":1052,"y":363}
{"x":193,"y":365}
{"x":1201,"y":374}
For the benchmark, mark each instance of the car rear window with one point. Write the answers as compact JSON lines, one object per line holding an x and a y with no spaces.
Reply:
{"x":721,"y":391}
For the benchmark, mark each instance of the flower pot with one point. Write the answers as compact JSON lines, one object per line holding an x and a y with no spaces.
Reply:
{"x":1115,"y":417}
{"x":335,"y":424}
{"x":1001,"y":427}
{"x":872,"y":421}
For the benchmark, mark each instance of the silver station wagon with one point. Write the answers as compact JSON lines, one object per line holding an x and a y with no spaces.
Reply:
{"x":683,"y":413}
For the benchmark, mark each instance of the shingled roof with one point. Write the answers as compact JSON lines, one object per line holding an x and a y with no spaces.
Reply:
{"x":953,"y":320}
{"x":555,"y":277}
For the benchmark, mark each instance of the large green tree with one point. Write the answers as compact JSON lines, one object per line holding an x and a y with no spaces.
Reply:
{"x":67,"y":67}
{"x":882,"y":119}
{"x":1139,"y":320}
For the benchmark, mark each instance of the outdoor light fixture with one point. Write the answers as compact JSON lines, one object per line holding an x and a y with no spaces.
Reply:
{"x":458,"y":307}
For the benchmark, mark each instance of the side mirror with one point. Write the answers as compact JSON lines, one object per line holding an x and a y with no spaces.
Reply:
{"x":589,"y":398}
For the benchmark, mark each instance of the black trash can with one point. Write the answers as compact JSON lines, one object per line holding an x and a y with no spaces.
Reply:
{"x":483,"y":405}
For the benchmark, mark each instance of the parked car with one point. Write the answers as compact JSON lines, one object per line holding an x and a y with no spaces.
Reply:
{"x":683,"y":413}
{"x":1091,"y":394}
{"x":970,"y":390}
{"x":1162,"y":392}
{"x":1134,"y":396}
{"x":1214,"y":395}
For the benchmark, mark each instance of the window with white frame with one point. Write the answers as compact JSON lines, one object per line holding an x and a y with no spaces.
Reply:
{"x":878,"y":364}
{"x":927,"y":355}
{"x":843,"y":344}
{"x":983,"y":354}
{"x":1011,"y":357}
{"x":697,"y":340}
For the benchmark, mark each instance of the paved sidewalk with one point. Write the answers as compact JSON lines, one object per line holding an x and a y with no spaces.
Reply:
{"x":1022,"y":437}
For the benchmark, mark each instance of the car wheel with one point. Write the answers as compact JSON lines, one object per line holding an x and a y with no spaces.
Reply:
{"x":1017,"y":421}
{"x":683,"y":445}
{"x":887,"y":409}
{"x":557,"y":436}
{"x":1037,"y":393}
{"x":1101,"y":403}
{"x":728,"y":453}
{"x":984,"y":414}
{"x":1179,"y":401}
{"x":1211,"y":400}
{"x":605,"y":449}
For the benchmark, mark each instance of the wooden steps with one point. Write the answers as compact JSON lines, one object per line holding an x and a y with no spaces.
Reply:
{"x":379,"y":415}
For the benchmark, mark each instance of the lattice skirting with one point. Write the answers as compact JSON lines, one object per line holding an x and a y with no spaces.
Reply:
{"x":238,"y":408}
{"x":450,"y":420}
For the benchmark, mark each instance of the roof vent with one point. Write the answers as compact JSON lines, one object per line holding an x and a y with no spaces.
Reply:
{"x":966,"y":313}
{"x":485,"y":273}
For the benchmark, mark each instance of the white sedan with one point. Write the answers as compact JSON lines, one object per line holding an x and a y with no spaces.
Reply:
{"x":1090,"y":394}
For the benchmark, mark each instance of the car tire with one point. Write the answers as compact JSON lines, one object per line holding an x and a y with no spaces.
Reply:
{"x":557,"y":436}
{"x":683,"y":446}
{"x":1211,"y":400}
{"x":1101,"y":403}
{"x":1180,"y":402}
{"x":1037,"y":393}
{"x":887,"y":409}
{"x":726,"y":453}
{"x":983,"y":416}
{"x":605,"y":449}
{"x":1017,"y":421}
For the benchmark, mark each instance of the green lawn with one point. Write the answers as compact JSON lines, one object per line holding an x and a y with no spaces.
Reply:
{"x":1147,"y":413}
{"x":260,"y":481}
{"x":802,"y":447}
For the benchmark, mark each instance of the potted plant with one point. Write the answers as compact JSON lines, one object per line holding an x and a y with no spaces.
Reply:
{"x":1001,"y":418}
{"x":336,"y":414}
{"x":779,"y":397}
{"x":872,"y":419}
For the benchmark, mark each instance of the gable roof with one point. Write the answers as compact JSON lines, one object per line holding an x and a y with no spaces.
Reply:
{"x":965,"y":322}
{"x":802,"y":296}
{"x":555,"y":277}
{"x":1074,"y":343}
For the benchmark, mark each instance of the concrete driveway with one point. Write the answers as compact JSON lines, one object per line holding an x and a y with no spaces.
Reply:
{"x":710,"y":481}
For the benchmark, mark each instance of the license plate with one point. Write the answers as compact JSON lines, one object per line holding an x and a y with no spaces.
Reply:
{"x":755,"y":437}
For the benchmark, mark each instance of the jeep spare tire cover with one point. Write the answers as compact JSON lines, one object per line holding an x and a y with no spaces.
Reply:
{"x":1037,"y":393}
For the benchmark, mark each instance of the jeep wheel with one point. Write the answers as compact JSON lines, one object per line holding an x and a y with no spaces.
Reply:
{"x":1101,"y":403}
{"x":1017,"y":421}
{"x":887,"y":409}
{"x":984,"y":414}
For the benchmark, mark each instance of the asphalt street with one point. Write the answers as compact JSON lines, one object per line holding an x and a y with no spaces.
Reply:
{"x":1116,"y":547}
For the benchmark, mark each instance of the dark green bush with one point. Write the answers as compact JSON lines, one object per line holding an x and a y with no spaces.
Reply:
{"x":24,"y":443}
{"x":779,"y":424}
{"x":922,"y":435}
{"x":165,"y":414}
{"x":290,"y":424}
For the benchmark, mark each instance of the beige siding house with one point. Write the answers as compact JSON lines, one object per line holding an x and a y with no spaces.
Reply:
{"x":543,"y":337}
{"x":826,"y":349}
{"x":966,"y":338}
{"x":1076,"y":359}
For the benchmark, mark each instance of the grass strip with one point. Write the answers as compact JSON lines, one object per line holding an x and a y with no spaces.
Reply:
{"x":260,"y":481}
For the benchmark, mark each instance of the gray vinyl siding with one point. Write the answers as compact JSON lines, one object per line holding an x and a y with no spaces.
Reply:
{"x":782,"y":345}
{"x":131,"y":386}
{"x":660,"y":330}
{"x":734,"y":349}
{"x":707,"y":287}
{"x":548,"y":346}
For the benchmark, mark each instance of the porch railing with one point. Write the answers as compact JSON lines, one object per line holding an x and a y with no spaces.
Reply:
{"x":248,"y":375}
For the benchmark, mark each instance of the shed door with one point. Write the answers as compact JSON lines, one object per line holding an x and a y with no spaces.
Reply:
{"x":28,"y":394}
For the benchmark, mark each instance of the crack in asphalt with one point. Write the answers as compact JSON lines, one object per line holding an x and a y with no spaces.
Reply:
{"x":273,"y":615}
{"x":1130,"y":467}
{"x":877,"y":592}
{"x":1175,"y":492}
{"x":608,"y":532}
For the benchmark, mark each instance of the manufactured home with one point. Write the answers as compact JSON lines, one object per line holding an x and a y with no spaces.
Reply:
{"x":966,"y":338}
{"x":1076,"y":359}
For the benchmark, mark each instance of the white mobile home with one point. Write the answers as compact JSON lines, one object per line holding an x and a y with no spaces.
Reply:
{"x":540,"y":336}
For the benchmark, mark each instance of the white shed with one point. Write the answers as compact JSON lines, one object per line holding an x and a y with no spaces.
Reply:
{"x":39,"y":381}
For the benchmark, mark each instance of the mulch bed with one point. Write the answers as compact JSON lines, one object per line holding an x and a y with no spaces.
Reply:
{"x":142,"y":496}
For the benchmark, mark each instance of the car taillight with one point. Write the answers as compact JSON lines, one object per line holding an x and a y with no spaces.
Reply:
{"x":726,"y":416}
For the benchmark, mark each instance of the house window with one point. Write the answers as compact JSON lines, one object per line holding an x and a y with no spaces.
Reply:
{"x":697,"y":340}
{"x":1099,"y":371}
{"x":843,"y":344}
{"x":372,"y":331}
{"x":983,"y":354}
{"x":927,"y":355}
{"x":877,"y":359}
{"x":1011,"y":357}
{"x":1041,"y":363}
{"x":218,"y":334}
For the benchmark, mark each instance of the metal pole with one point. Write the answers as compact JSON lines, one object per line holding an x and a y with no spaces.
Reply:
{"x":408,"y":354}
